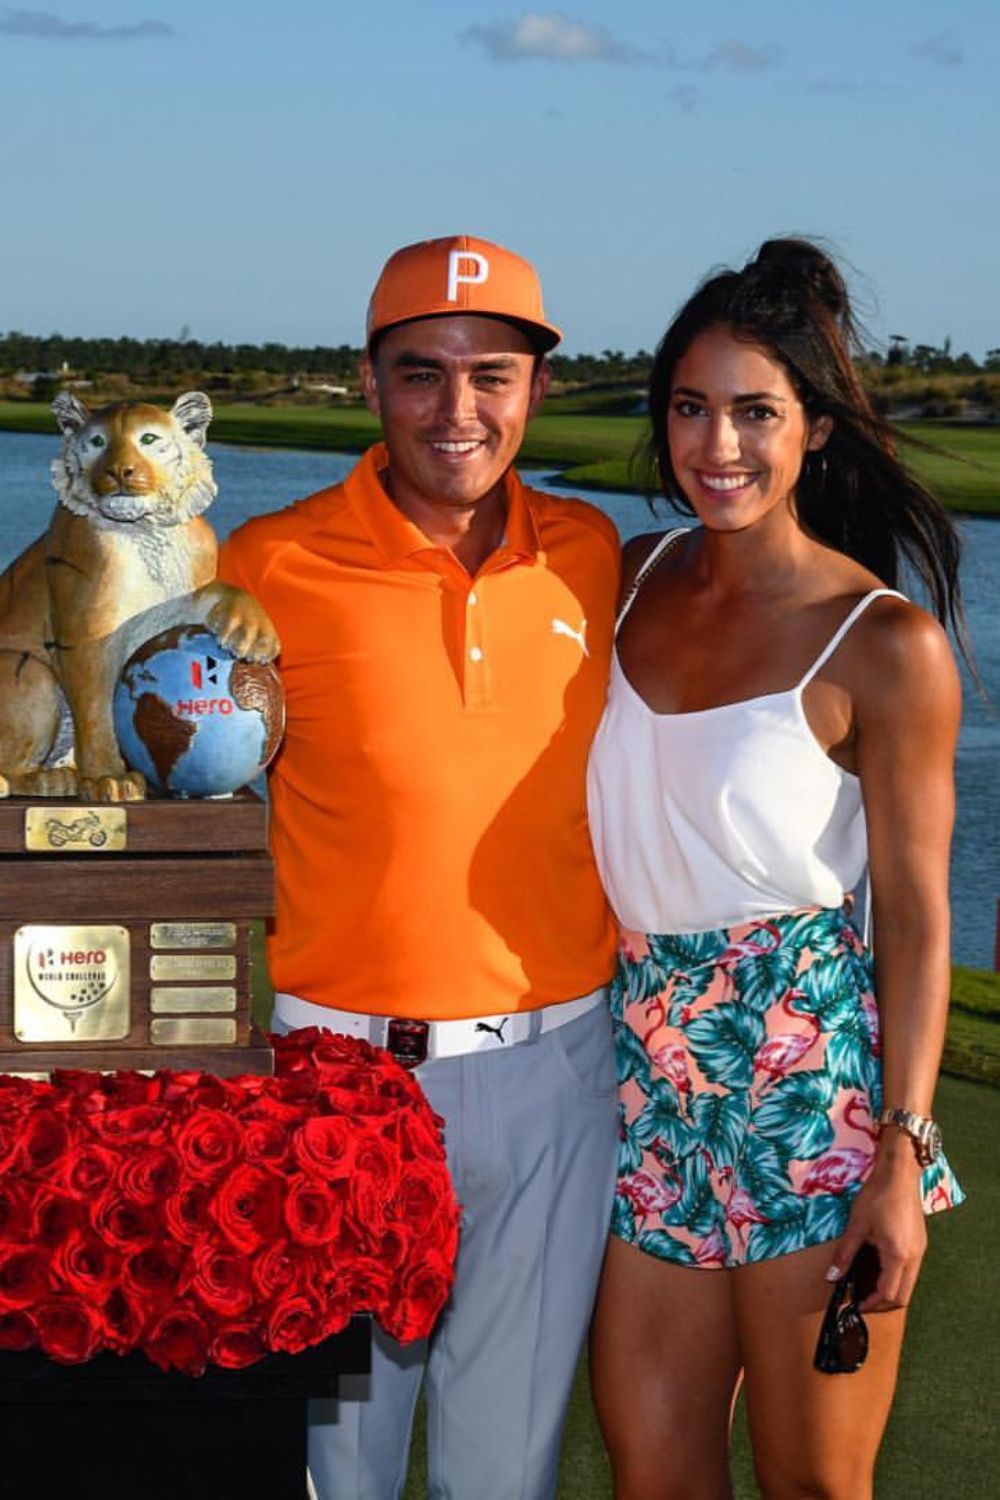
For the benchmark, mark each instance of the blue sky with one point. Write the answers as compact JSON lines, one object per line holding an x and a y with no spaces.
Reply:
{"x":242,"y":169}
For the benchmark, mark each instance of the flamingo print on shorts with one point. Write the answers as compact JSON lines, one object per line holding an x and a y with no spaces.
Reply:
{"x":749,"y":1078}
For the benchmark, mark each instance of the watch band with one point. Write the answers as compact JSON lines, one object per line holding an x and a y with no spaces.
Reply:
{"x":924,"y":1132}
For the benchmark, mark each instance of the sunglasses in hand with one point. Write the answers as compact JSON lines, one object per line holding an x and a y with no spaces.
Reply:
{"x":842,"y":1346}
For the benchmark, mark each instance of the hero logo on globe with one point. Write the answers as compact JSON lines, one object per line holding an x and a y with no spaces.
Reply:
{"x":193,"y":707}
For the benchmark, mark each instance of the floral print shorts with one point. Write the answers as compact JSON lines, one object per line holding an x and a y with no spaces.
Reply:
{"x":749,"y":1079}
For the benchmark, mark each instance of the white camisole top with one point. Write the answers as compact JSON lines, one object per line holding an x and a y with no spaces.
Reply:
{"x":723,"y":815}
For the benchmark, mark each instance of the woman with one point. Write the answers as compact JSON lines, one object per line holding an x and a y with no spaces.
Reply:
{"x":779,"y":719}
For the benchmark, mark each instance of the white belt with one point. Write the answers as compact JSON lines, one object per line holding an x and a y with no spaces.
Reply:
{"x":443,"y":1038}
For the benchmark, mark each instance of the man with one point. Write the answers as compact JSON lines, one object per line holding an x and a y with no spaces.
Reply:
{"x":446,"y":635}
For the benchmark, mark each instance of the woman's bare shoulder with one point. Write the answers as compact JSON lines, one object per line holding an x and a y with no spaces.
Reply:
{"x":635,"y":554}
{"x":900,"y":649}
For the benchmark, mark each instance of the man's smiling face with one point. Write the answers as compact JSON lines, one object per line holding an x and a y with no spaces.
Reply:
{"x":454,"y":395}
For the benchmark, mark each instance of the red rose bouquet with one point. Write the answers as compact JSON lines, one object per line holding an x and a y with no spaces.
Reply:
{"x":209,"y":1220}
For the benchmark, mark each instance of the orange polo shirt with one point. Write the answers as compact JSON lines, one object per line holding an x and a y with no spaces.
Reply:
{"x":428,"y":815}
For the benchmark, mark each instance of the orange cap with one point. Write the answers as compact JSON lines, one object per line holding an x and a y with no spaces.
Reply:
{"x":460,"y":274}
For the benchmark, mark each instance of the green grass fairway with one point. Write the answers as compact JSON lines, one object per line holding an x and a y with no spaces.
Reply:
{"x":591,"y":449}
{"x":944,"y":1437}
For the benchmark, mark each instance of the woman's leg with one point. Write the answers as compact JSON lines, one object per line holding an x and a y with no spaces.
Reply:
{"x":664,"y":1366}
{"x":813,"y":1435}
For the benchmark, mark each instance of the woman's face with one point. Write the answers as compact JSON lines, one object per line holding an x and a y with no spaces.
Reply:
{"x":737,"y":431}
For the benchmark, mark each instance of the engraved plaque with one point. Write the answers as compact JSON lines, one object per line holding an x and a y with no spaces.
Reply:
{"x":211,"y":1031}
{"x":94,"y":951}
{"x":187,"y":1000}
{"x":192,"y":935}
{"x":71,"y":984}
{"x":192,"y":967}
{"x":76,"y":829}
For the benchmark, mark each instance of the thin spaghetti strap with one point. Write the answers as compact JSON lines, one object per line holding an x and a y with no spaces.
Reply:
{"x":654,"y":556}
{"x":839,"y":634}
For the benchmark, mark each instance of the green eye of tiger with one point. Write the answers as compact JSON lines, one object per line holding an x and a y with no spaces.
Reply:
{"x":97,"y":441}
{"x":147,"y":438}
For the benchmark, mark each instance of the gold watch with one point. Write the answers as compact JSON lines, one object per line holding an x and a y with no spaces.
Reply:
{"x":923,"y":1132}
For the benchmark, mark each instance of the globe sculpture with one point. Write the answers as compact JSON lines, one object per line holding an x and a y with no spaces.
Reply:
{"x":193,"y":718}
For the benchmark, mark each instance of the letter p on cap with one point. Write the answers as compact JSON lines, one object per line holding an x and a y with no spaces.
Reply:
{"x":456,"y":258}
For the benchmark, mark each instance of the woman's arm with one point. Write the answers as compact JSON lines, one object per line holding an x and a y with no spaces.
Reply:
{"x":907,"y":701}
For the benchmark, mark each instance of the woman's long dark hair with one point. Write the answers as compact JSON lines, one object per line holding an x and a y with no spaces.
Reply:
{"x":791,"y":301}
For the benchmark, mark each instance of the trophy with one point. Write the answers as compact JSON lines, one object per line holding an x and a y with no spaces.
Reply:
{"x":130,"y":925}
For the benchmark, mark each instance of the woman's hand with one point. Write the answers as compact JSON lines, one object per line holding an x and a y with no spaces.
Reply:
{"x":888,"y":1214}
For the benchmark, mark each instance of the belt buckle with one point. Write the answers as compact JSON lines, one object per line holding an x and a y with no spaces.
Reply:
{"x":407,"y":1041}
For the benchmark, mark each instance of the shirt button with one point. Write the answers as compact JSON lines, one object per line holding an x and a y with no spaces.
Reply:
{"x":476,"y":654}
{"x":472,"y":597}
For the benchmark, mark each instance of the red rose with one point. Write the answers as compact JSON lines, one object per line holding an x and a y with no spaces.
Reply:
{"x":82,"y":1087}
{"x":128,"y":1088}
{"x":151,"y":1274}
{"x":68,"y":1330}
{"x":121,"y":1224}
{"x":54,"y":1215}
{"x":23,"y":1277}
{"x":375,"y":1180}
{"x":294,"y":1324}
{"x":399,"y":1085}
{"x":420,"y":1135}
{"x":294,"y":1051}
{"x":324,"y":1146}
{"x":266,"y":1142}
{"x":247,"y":1207}
{"x":276,"y":1109}
{"x":139,"y":1124}
{"x":312,"y":1213}
{"x":15,"y":1210}
{"x":87,"y":1169}
{"x":17,"y":1330}
{"x":281,"y":1268}
{"x":236,"y":1346}
{"x":10,"y":1140}
{"x":16,"y":1094}
{"x":391,"y":1248}
{"x":87,"y":1266}
{"x":423,"y":1193}
{"x":122,"y":1320}
{"x":179,"y":1341}
{"x":187,"y":1212}
{"x":221,"y":1280}
{"x":194,"y":1089}
{"x":358,"y":1104}
{"x":148,"y":1176}
{"x":44,"y":1139}
{"x":360,"y":1286}
{"x":420,"y":1294}
{"x":338,"y":1074}
{"x":209,"y":1143}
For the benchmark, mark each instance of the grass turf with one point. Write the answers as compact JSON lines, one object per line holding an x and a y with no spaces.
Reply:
{"x":944,"y":1435}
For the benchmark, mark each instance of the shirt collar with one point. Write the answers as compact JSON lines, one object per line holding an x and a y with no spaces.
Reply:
{"x":397,"y":537}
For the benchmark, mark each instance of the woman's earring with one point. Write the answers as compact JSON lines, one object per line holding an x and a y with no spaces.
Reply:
{"x":817,"y":470}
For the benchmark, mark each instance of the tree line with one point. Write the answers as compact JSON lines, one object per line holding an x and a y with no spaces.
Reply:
{"x":159,"y":361}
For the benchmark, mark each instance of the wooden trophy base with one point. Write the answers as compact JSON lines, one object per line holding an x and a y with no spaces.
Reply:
{"x":126,"y":934}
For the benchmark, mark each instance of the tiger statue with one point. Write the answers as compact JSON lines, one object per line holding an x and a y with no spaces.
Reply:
{"x":127,"y":554}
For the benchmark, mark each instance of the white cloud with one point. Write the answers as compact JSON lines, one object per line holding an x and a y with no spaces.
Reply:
{"x":944,"y":49}
{"x":740,"y":57}
{"x":552,"y":37}
{"x":47,"y":27}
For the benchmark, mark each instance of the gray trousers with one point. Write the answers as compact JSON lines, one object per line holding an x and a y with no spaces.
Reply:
{"x":531,"y":1136}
